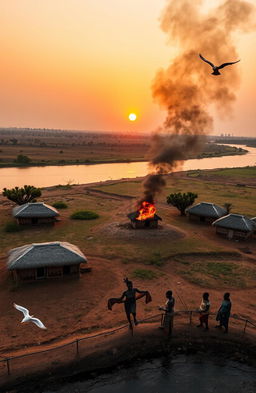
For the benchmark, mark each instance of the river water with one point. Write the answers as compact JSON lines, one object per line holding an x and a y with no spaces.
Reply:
{"x":184,"y":374}
{"x":84,"y":174}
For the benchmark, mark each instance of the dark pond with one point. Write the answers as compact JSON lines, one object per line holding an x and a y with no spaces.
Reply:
{"x":183,"y":374}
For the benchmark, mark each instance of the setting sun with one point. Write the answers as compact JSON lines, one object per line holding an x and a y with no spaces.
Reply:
{"x":132,"y":117}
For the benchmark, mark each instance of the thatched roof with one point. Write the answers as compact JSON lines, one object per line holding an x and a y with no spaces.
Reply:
{"x":37,"y":209}
{"x":44,"y":254}
{"x":236,"y":222}
{"x":206,"y":209}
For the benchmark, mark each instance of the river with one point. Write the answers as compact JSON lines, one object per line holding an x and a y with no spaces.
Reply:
{"x":183,"y":374}
{"x":84,"y":174}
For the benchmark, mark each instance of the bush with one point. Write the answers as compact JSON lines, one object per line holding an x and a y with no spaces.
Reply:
{"x":22,"y":159}
{"x":12,"y":227}
{"x":60,"y":205}
{"x":84,"y":215}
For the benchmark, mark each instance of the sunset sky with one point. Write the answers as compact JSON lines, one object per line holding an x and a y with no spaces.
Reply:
{"x":87,"y":64}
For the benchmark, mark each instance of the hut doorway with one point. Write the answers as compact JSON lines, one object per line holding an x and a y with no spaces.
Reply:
{"x":34,"y":221}
{"x":40,"y":273}
{"x":66,"y":270}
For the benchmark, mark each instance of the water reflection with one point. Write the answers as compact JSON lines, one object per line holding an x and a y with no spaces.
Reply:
{"x":84,"y":174}
{"x":182,"y":375}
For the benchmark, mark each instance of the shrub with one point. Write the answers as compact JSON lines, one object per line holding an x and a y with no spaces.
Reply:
{"x":84,"y":215}
{"x":22,"y":159}
{"x":12,"y":227}
{"x":60,"y":205}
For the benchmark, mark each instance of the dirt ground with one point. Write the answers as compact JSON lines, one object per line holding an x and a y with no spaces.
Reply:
{"x":74,"y":307}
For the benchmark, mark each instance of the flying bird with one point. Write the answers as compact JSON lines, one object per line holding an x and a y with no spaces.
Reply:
{"x":29,"y":318}
{"x":217,"y":68}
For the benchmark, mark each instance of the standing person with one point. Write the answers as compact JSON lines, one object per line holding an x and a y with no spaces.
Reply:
{"x":169,"y":310}
{"x":204,"y":311}
{"x":224,"y":312}
{"x":129,"y":297}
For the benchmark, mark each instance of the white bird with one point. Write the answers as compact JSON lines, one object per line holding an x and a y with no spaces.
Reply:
{"x":217,"y":68}
{"x":29,"y":318}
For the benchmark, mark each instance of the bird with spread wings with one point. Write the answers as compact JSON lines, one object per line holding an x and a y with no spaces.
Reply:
{"x":29,"y":318}
{"x":217,"y":68}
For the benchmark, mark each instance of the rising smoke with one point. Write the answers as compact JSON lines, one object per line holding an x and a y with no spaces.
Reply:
{"x":186,"y":89}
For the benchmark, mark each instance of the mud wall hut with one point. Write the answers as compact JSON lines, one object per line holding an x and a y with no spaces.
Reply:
{"x":205,"y":212}
{"x":235,"y":226}
{"x":35,"y":213}
{"x":44,"y":261}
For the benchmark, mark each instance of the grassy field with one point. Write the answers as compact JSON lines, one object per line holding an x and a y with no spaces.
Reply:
{"x":102,"y":236}
{"x":217,"y":190}
{"x":51,"y":147}
{"x":187,"y":257}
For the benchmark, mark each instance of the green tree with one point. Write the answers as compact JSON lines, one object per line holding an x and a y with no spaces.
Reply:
{"x":181,"y":201}
{"x":21,"y":159}
{"x":22,"y":195}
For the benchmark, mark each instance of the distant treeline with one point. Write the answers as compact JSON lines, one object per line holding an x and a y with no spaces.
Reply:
{"x":250,"y":142}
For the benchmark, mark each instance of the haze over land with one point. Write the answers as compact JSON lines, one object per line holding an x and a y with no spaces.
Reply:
{"x":87,"y":65}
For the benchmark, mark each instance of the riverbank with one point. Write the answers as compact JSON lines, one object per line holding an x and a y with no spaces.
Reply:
{"x":122,"y":350}
{"x":46,"y":176}
{"x":19,"y":156}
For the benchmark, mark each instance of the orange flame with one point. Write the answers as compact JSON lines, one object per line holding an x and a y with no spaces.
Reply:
{"x":147,"y":210}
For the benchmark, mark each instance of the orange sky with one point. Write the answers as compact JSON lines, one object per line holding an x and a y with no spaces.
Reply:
{"x":86,"y":64}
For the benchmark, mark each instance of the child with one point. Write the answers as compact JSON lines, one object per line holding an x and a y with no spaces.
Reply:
{"x":204,"y":310}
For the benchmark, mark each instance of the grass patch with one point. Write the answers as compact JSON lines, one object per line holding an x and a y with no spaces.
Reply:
{"x":156,"y":259}
{"x":84,"y":215}
{"x":249,"y":172}
{"x":60,"y":205}
{"x":11,"y":227}
{"x":144,"y":274}
{"x":214,"y":274}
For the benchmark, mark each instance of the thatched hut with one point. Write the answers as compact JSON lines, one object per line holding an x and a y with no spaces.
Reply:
{"x":235,"y":226}
{"x":151,"y":222}
{"x":35,"y":213}
{"x":205,"y":212}
{"x":45,"y":260}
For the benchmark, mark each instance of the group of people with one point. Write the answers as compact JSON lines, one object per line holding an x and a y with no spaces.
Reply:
{"x":131,"y":295}
{"x":222,"y":316}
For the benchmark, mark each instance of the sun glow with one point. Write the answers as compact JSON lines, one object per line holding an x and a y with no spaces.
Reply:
{"x":132,"y":117}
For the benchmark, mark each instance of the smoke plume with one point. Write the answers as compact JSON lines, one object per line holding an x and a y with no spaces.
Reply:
{"x":186,"y":89}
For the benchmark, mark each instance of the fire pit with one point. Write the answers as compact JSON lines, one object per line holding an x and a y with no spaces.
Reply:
{"x":145,"y":217}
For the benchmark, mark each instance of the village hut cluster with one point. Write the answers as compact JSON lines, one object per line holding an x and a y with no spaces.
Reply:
{"x":57,"y":259}
{"x":232,"y":226}
{"x":48,"y":260}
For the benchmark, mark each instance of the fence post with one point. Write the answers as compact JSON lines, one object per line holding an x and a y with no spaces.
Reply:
{"x":77,"y":347}
{"x":190,"y":317}
{"x":8,"y":366}
{"x":245,"y":325}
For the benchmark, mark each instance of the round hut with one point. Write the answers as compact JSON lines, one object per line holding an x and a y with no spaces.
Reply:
{"x":235,"y":226}
{"x":45,"y":260}
{"x":35,"y":213}
{"x":205,"y":212}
